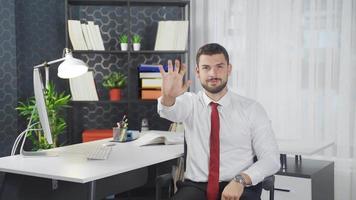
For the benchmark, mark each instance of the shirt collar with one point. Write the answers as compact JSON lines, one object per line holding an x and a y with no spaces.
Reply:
{"x":224,"y":101}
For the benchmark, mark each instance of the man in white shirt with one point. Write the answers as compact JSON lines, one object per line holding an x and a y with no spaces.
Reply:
{"x":224,"y":131}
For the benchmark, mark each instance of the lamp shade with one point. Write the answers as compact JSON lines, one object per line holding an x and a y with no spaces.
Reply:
{"x":71,"y":67}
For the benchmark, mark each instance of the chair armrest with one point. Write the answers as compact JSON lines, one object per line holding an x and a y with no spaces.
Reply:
{"x":268,"y":183}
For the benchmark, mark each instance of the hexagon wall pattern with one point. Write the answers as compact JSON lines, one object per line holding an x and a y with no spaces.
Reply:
{"x":8,"y":80}
{"x":113,"y":21}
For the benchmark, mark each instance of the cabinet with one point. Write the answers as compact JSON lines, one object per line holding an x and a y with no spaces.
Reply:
{"x":115,"y":17}
{"x":307,"y":180}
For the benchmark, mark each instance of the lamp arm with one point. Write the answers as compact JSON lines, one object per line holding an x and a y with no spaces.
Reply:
{"x":46,"y":65}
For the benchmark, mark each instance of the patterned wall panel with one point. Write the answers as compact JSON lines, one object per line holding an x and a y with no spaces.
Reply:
{"x":102,"y":65}
{"x":39,"y":38}
{"x":113,"y":21}
{"x":95,"y":115}
{"x":144,"y":21}
{"x":8,"y":81}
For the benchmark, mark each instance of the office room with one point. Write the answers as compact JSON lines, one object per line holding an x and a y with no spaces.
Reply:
{"x":93,"y":85}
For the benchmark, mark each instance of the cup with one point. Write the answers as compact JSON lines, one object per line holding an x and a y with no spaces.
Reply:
{"x":116,"y":133}
{"x":123,"y":135}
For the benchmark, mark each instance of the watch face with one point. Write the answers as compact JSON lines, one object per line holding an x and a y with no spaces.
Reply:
{"x":240,"y":179}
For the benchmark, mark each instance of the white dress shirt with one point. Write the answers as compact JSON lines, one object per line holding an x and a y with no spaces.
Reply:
{"x":245,"y":131}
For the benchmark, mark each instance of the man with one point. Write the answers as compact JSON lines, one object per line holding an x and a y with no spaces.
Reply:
{"x":224,"y":131}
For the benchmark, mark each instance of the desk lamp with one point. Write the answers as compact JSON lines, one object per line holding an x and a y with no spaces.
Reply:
{"x":69,"y":68}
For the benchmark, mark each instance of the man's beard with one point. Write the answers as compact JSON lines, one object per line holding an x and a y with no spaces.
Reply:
{"x":215,"y":89}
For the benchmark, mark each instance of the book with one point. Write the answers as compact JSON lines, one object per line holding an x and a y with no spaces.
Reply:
{"x":182,"y":37}
{"x":147,"y":83}
{"x":151,"y":68}
{"x":76,"y":35}
{"x":172,"y":35}
{"x":94,"y":33}
{"x":86,"y":36}
{"x":150,"y":94}
{"x":150,"y":75}
{"x":83,"y":88}
{"x":99,"y":38}
{"x":159,"y":137}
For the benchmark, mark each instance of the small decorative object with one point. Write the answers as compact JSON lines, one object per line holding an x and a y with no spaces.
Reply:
{"x":115,"y":82}
{"x":144,"y":124}
{"x":136,"y":40}
{"x":124,"y":40}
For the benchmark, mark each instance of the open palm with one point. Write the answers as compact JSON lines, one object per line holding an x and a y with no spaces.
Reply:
{"x":172,"y":81}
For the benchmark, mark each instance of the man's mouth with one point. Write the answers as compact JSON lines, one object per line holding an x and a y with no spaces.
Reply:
{"x":213,"y":80}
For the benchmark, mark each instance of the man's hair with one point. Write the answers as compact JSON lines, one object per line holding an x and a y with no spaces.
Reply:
{"x":212,"y":49}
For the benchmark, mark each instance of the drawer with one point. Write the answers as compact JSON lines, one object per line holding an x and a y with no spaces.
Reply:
{"x":290,"y":188}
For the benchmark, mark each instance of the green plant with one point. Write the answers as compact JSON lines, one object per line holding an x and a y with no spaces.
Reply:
{"x":55,"y":103}
{"x":124,"y":38}
{"x":115,"y":80}
{"x":136,"y":39}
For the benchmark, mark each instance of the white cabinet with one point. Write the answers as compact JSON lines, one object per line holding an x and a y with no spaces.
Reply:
{"x":291,"y":188}
{"x":307,"y":180}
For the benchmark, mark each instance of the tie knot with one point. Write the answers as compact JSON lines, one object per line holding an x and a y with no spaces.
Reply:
{"x":214,"y":105}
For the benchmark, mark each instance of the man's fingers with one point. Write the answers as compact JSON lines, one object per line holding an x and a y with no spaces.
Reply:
{"x":161,"y":70}
{"x":176,"y":65}
{"x":170,"y":66}
{"x":183,"y":69}
{"x":187,"y":85}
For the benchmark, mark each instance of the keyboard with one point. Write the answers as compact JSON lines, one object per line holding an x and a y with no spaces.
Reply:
{"x":100,"y":152}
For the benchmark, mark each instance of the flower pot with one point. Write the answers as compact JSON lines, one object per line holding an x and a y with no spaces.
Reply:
{"x":115,"y":94}
{"x":123,"y":46}
{"x":136,"y":46}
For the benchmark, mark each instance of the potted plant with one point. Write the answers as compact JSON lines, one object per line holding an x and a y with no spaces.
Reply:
{"x":124,"y":40}
{"x":115,"y":82}
{"x":136,"y":40}
{"x":55,"y":103}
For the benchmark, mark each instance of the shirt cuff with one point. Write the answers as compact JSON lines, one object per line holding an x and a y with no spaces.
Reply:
{"x":255,"y":176}
{"x":162,"y":107}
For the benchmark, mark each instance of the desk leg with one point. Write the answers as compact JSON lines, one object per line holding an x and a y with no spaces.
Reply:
{"x":92,"y":188}
{"x":298,"y":159}
{"x":283,"y":159}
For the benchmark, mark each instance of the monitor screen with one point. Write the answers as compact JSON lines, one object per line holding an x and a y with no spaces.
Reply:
{"x":41,"y":105}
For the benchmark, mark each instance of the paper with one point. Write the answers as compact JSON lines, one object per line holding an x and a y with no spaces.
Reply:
{"x":160,"y":137}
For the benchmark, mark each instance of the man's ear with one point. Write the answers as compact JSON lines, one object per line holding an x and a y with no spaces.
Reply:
{"x":197,"y":71}
{"x":229,"y":69}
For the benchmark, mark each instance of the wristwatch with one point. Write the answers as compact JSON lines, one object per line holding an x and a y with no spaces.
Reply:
{"x":240,"y":179}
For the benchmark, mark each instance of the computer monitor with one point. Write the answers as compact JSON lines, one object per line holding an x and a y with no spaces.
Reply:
{"x":41,"y":105}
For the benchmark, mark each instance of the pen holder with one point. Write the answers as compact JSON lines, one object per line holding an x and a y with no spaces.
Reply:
{"x":116,"y":133}
{"x":123,"y":135}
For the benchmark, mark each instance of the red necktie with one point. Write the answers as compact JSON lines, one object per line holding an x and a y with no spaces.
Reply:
{"x":213,"y":180}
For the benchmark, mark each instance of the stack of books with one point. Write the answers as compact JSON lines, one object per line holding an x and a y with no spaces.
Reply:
{"x":85,"y":36}
{"x":151,"y":81}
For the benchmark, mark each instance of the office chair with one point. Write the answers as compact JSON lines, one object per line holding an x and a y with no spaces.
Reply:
{"x":166,"y":180}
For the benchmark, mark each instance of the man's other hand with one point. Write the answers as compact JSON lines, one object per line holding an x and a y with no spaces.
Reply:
{"x":232,"y":191}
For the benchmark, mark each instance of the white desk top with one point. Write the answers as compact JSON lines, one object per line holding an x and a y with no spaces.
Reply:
{"x":302,"y":147}
{"x":72,"y":165}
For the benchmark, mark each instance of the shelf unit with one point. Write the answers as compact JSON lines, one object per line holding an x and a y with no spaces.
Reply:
{"x":115,"y":17}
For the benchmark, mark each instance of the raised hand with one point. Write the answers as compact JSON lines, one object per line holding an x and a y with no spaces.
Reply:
{"x":172,"y":82}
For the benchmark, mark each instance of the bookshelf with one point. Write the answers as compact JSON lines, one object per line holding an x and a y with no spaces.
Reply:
{"x":115,"y":17}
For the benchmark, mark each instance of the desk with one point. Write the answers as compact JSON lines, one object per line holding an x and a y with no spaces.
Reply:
{"x":298,"y":148}
{"x":72,"y":166}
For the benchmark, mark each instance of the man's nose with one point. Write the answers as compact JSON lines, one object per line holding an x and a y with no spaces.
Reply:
{"x":213,"y":71}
